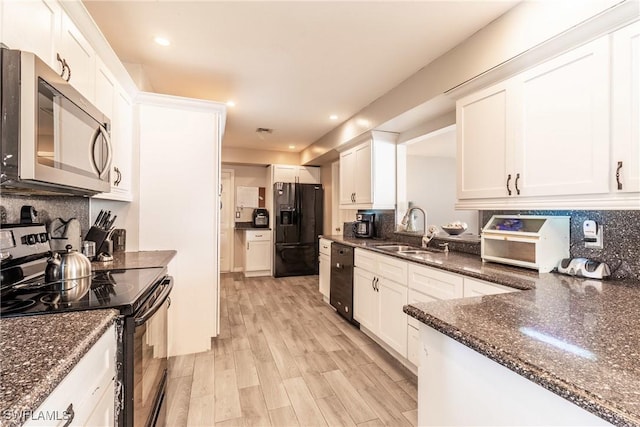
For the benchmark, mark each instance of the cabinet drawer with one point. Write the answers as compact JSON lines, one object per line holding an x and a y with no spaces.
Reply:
{"x":256,"y":236}
{"x":392,"y":269}
{"x":325,"y":246}
{"x":366,"y":260}
{"x":474,"y":288}
{"x":83,"y":387}
{"x":437,"y":284}
{"x":414,"y":296}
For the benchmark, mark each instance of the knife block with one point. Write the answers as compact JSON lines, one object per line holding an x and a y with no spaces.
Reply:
{"x":99,"y":236}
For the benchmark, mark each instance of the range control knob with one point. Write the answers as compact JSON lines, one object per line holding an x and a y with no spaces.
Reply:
{"x":44,"y":237}
{"x":32,"y":239}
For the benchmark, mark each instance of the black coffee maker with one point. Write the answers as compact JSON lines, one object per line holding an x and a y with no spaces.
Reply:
{"x":364,"y":225}
{"x":260,"y":218}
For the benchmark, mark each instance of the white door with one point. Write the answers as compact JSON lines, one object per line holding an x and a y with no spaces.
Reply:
{"x":626,"y":109}
{"x":562,"y":123}
{"x":484,"y":137}
{"x":365,"y":300}
{"x":336,"y":223}
{"x":363,"y":173}
{"x":393,"y":321}
{"x":226,"y":222}
{"x":347,"y":175}
{"x":258,"y":256}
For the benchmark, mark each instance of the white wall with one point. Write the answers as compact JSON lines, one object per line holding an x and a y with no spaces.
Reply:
{"x":179,"y":205}
{"x":431,"y":185}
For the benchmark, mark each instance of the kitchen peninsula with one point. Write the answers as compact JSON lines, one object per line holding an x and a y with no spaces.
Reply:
{"x":574,"y":337}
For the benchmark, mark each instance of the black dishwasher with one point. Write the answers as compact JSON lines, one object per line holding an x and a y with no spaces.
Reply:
{"x":341,"y":285}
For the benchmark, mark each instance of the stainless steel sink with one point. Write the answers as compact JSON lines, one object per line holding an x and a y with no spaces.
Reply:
{"x":407,"y":250}
{"x":396,"y":248}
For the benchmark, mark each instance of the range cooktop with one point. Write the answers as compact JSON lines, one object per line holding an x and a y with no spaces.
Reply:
{"x":124,"y":290}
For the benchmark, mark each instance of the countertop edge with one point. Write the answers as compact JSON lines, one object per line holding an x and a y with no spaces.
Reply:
{"x":32,"y":400}
{"x":578,"y":396}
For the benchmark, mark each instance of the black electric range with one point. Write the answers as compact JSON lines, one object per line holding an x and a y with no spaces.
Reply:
{"x":142,"y":296}
{"x":124,"y":290}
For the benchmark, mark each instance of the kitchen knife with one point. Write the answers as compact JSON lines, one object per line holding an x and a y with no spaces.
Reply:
{"x":97,"y":223}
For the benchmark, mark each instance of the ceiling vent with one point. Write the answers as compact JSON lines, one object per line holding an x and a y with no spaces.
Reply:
{"x":262,"y":131}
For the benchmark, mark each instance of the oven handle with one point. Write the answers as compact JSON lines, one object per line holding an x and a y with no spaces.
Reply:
{"x":164,"y":296}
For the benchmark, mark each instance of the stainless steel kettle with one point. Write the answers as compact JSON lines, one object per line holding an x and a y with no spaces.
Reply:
{"x":67,"y":266}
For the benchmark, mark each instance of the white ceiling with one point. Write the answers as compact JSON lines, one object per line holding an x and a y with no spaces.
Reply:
{"x":288,"y":65}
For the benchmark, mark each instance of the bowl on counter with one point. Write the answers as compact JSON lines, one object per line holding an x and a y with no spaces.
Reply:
{"x":454,"y":230}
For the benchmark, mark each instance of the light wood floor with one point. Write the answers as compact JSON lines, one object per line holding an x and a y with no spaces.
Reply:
{"x":285,"y":358}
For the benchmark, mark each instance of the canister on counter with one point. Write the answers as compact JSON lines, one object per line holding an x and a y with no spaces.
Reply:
{"x":119,"y":238}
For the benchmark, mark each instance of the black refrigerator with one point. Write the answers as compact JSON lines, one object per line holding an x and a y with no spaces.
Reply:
{"x":298,"y":223}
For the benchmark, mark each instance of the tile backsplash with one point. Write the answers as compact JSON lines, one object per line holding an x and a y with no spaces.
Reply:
{"x":621,"y":237}
{"x":48,"y":208}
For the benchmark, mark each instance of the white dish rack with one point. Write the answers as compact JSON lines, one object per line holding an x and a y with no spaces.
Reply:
{"x":531,"y":241}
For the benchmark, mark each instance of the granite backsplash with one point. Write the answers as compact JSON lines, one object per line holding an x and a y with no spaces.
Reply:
{"x":621,"y":237}
{"x":621,"y":234}
{"x":48,"y":208}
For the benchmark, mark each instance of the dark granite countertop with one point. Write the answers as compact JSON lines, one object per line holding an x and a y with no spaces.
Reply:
{"x":37,"y":353}
{"x":578,"y":338}
{"x":131,"y":260}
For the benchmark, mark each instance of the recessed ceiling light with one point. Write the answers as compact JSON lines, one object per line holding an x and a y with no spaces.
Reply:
{"x":291,"y":147}
{"x":231,"y":104}
{"x":162,"y":41}
{"x":333,"y":117}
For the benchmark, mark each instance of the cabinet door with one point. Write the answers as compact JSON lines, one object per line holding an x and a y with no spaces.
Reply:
{"x":80,"y":57}
{"x":347,"y":177}
{"x":308,"y":175}
{"x":626,"y":109}
{"x":285,"y":173}
{"x":393,"y":321}
{"x":258,"y":255}
{"x":413,"y":345}
{"x":325,"y":275}
{"x":32,"y":26}
{"x":104,"y":90}
{"x":365,"y":300}
{"x":362,"y":174}
{"x":562,"y":119}
{"x":122,"y":139}
{"x":484,"y":143}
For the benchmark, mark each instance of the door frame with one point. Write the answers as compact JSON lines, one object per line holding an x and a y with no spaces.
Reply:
{"x":230,"y":211}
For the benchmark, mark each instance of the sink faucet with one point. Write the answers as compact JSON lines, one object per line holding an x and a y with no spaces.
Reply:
{"x":408,"y":220}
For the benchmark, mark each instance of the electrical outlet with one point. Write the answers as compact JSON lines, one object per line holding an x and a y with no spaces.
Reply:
{"x":238,"y":214}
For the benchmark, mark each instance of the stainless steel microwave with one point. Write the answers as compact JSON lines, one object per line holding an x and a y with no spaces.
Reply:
{"x":53,"y":139}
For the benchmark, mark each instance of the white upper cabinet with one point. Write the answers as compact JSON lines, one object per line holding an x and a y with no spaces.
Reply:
{"x":294,"y":173}
{"x":368,"y":173}
{"x":625,"y":159}
{"x":544,"y":132}
{"x":79,"y":57}
{"x":485,"y":140}
{"x":20,"y":31}
{"x":562,"y":122}
{"x":105,"y":89}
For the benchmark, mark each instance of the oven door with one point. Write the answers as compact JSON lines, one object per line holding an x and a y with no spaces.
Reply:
{"x":145,"y":368}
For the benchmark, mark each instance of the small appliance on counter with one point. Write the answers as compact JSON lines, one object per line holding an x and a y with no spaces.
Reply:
{"x":364,"y":225}
{"x":260,"y":218}
{"x":531,"y":241}
{"x":584,"y":267}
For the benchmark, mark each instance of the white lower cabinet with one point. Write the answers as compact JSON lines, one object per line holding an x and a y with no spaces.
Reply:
{"x":257,"y":253}
{"x":392,"y":327}
{"x":475,"y":288}
{"x":85,"y":397}
{"x":383,"y":285}
{"x":366,"y":309}
{"x":324,"y":281}
{"x":380,"y":292}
